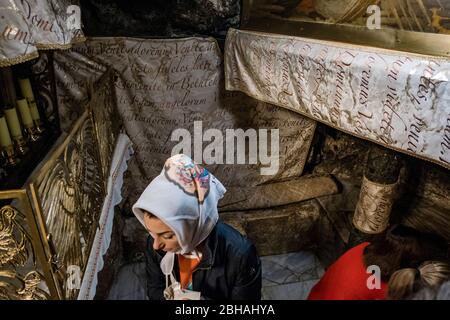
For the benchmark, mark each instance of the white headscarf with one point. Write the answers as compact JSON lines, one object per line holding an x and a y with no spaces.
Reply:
{"x":184,"y":196}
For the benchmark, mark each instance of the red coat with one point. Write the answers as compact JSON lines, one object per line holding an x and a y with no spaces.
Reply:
{"x":346,"y":279}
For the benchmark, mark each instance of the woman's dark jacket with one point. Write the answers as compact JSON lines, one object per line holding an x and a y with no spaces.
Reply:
{"x":230,"y":268}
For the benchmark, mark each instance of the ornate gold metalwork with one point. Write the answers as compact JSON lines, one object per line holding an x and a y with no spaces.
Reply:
{"x":23,"y":275}
{"x":402,"y":27}
{"x":70,"y":191}
{"x":19,"y":59}
{"x":67,"y":193}
{"x":15,"y":287}
{"x":12,"y":249}
{"x":437,"y":22}
{"x":9,"y":155}
{"x":21,"y":145}
{"x":106,"y":118}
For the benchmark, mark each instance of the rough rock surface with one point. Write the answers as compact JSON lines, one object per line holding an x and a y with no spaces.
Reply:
{"x":159,"y":18}
{"x":278,"y":230}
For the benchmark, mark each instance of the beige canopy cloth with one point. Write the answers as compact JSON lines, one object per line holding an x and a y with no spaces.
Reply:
{"x":398,"y":100}
{"x":29,"y":25}
{"x":169,"y":84}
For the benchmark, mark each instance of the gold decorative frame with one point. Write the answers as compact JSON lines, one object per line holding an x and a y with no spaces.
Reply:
{"x":106,"y":120}
{"x":59,"y":209}
{"x":24,"y":254}
{"x":67,"y":193}
{"x":432,"y":44}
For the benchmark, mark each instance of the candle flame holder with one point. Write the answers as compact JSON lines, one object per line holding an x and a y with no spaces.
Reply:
{"x":32,"y":133}
{"x":9,"y":155}
{"x":39,"y":126}
{"x":21,"y":145}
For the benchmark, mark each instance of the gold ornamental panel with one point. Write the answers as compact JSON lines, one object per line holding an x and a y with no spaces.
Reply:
{"x":24,"y":271}
{"x":47,"y":229}
{"x":106,"y":118}
{"x":68,"y":192}
{"x":416,"y":26}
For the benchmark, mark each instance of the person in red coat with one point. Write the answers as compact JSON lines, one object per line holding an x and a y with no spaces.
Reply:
{"x":351,"y":277}
{"x":347,"y":279}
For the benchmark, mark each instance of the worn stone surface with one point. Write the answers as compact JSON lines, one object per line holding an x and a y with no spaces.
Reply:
{"x":277,"y":194}
{"x":288,"y":291}
{"x":428,"y":181}
{"x":278,"y":230}
{"x":346,"y":199}
{"x":383,"y":165}
{"x":340,"y":207}
{"x":132,"y":18}
{"x":212,"y":17}
{"x":341,"y":155}
{"x":162,"y":18}
{"x":423,"y":200}
{"x":328,"y":244}
{"x":291,"y":267}
{"x":357,"y":237}
{"x":423,"y":214}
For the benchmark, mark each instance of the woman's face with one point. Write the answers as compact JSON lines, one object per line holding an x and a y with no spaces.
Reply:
{"x":163,"y":237}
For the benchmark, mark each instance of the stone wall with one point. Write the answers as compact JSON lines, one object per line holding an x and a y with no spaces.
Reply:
{"x":159,"y":18}
{"x":423,"y":201}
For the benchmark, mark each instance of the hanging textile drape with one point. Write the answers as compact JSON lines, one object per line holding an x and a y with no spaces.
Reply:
{"x":27,"y":26}
{"x":398,"y":100}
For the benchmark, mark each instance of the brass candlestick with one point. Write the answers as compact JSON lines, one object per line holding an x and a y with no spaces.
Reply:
{"x":35,"y":115}
{"x":39,"y":126}
{"x":21,"y":145}
{"x":27,"y":120}
{"x":15,"y":129}
{"x":9,"y":156}
{"x":32,"y":133}
{"x":27,"y":92}
{"x":6,"y":144}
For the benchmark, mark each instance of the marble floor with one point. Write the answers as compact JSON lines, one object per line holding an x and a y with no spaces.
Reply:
{"x":285,"y":277}
{"x":289,"y":276}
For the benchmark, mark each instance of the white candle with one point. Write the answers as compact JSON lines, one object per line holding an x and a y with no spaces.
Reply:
{"x":5,"y":138}
{"x":25,"y":113}
{"x":13,"y":122}
{"x":34,"y":111}
{"x":25,"y":87}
